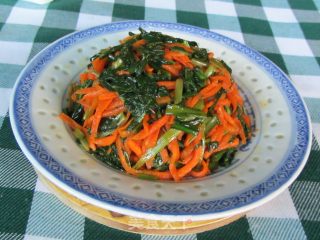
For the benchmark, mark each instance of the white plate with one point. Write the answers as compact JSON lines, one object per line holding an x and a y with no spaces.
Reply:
{"x":263,"y":168}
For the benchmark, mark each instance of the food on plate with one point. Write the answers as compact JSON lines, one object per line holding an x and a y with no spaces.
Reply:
{"x":158,"y":107}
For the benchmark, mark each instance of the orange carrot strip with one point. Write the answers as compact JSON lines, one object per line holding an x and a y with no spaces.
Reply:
{"x":211,"y":93}
{"x":174,"y":69}
{"x":210,"y":90}
{"x":123,"y":72}
{"x":126,"y":148}
{"x":181,"y":45}
{"x":225,"y":79}
{"x":175,"y":155}
{"x":159,"y":123}
{"x":226,"y":120}
{"x":154,"y":126}
{"x":106,"y":141}
{"x":203,"y":172}
{"x":213,"y":130}
{"x":144,"y":132}
{"x":187,"y":158}
{"x":151,"y":141}
{"x":191,"y":164}
{"x":192,"y":101}
{"x":87,"y":123}
{"x":108,"y":95}
{"x":232,"y":144}
{"x":148,"y":69}
{"x":113,"y":112}
{"x":122,"y":158}
{"x":179,"y":57}
{"x":193,"y":141}
{"x":96,"y":121}
{"x":186,"y":152}
{"x":89,"y":98}
{"x":226,"y":139}
{"x":174,"y":149}
{"x":117,"y":102}
{"x":241,"y":131}
{"x":122,"y":129}
{"x":145,"y":123}
{"x":139,"y":43}
{"x":218,"y":134}
{"x":134,"y":147}
{"x":71,"y":123}
{"x":84,"y":91}
{"x":92,"y":76}
{"x":163,"y":100}
{"x":247,"y":120}
{"x":207,"y":106}
{"x":83,"y":77}
{"x":170,"y":85}
{"x":92,"y":106}
{"x":99,"y":64}
{"x":164,"y":155}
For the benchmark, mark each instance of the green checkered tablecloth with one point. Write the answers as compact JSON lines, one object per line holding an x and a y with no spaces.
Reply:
{"x":287,"y":32}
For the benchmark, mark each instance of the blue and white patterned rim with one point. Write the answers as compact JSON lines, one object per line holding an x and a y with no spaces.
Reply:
{"x":27,"y":138}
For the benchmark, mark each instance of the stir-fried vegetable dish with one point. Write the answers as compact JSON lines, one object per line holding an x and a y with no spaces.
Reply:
{"x":158,"y":107}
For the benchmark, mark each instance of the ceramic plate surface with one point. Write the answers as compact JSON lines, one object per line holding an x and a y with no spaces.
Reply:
{"x":262,"y":168}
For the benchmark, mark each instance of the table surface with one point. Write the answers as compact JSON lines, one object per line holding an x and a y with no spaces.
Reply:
{"x":287,"y":32}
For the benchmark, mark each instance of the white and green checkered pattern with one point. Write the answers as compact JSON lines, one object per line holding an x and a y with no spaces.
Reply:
{"x":287,"y":32}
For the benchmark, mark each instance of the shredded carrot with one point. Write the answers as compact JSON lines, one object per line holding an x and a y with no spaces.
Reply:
{"x":83,"y":77}
{"x":72,"y":123}
{"x":181,"y":45}
{"x":87,"y":123}
{"x":163,"y":100}
{"x":192,"y":101}
{"x":96,"y":121}
{"x":154,"y":126}
{"x":187,"y":159}
{"x":113,"y":112}
{"x":170,"y":85}
{"x":203,"y":172}
{"x":91,"y":76}
{"x":164,"y":155}
{"x":148,"y":69}
{"x":208,"y":105}
{"x":234,"y":143}
{"x":106,"y":141}
{"x":134,"y":147}
{"x":183,"y":171}
{"x":139,"y":43}
{"x":241,"y":131}
{"x":123,"y":72}
{"x":174,"y":69}
{"x":175,"y":155}
{"x":122,"y":158}
{"x":247,"y":120}
{"x":99,"y":64}
{"x":151,"y":141}
{"x":179,"y":57}
{"x":186,"y":152}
